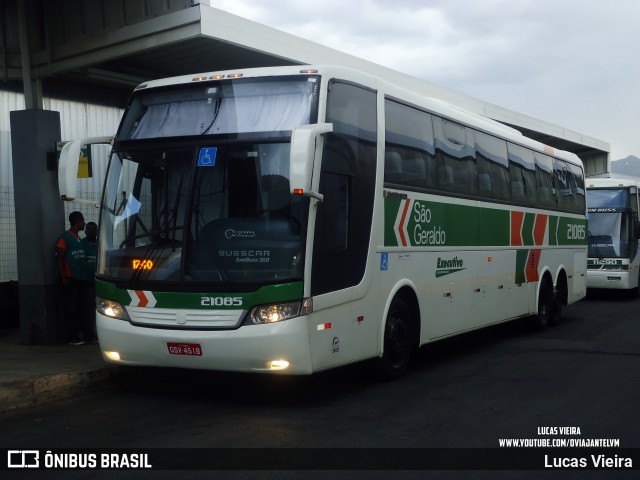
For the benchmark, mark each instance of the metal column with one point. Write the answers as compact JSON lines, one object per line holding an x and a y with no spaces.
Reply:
{"x":39,"y":222}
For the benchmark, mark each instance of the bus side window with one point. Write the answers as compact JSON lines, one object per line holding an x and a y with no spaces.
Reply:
{"x":493,"y":167}
{"x":347,"y":181}
{"x":333,"y":214}
{"x":456,"y":157}
{"x":334,"y":211}
{"x":522,"y":171}
{"x":562,"y":180}
{"x":392,"y":167}
{"x":544,"y":179}
{"x":409,"y":147}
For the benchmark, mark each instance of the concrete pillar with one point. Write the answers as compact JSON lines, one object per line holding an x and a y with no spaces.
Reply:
{"x":39,"y":223}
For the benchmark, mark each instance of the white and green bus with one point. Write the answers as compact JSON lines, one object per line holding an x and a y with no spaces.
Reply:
{"x":614,"y":260}
{"x":296,"y":219}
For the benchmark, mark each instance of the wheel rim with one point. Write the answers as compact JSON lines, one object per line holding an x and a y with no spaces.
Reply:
{"x":544,"y":308}
{"x":544,"y":314}
{"x":397,"y":345}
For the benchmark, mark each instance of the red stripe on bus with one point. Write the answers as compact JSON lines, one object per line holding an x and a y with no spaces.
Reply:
{"x":531,"y":268}
{"x":539,"y":228}
{"x":516,"y":228}
{"x":403,"y":239}
{"x":143,"y":298}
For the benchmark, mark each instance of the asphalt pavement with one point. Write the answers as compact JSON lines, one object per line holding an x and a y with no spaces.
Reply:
{"x":35,"y":374}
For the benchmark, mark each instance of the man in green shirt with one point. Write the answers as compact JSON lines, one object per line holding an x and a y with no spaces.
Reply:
{"x":72,"y":270}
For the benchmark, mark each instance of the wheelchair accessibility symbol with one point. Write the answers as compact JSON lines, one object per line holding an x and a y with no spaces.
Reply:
{"x":207,"y":157}
{"x":384,"y":262}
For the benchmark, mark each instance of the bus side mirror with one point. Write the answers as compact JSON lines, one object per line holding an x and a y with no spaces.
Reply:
{"x":68,"y":166}
{"x":301,"y":159}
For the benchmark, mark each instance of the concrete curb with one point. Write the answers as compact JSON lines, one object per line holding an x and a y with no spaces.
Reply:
{"x":45,"y":389}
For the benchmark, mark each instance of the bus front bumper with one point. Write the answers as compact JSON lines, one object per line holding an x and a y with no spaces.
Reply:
{"x":611,"y":279}
{"x":280,"y":348}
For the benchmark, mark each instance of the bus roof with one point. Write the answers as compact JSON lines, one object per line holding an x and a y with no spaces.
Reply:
{"x":430,"y":104}
{"x":612,"y":182}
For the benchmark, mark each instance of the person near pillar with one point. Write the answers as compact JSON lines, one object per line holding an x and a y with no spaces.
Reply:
{"x":90,"y":246}
{"x":72,"y":268}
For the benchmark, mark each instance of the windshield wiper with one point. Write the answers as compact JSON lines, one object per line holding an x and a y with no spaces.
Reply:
{"x":168,"y":225}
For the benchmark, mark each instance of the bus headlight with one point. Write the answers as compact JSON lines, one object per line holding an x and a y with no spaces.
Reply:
{"x":112,"y":309}
{"x":278,"y":312}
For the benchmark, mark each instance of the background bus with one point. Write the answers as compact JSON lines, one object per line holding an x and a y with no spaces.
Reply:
{"x":613,"y":234}
{"x":288,"y":220}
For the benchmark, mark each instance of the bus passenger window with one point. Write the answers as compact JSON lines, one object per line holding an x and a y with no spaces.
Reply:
{"x":409,"y":147}
{"x":392,"y":167}
{"x":522,"y":171}
{"x":457,"y":167}
{"x":544,"y":177}
{"x":493,"y":166}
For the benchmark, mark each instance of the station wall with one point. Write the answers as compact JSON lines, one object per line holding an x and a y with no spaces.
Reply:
{"x":77,"y":120}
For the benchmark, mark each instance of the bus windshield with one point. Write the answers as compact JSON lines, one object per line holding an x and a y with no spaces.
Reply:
{"x":610,"y":223}
{"x":223,"y":107}
{"x":609,"y":234}
{"x":216,"y":215}
{"x":197,"y":190}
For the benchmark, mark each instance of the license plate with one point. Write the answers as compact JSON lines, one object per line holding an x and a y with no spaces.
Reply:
{"x":185,"y":349}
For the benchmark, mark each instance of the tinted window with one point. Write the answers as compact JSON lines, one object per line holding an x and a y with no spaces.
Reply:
{"x":544,"y":180}
{"x":455,"y":154}
{"x":409,"y":147}
{"x":522,"y":173}
{"x":576,"y":181}
{"x":569,"y":183}
{"x":347,"y":181}
{"x":493,"y":167}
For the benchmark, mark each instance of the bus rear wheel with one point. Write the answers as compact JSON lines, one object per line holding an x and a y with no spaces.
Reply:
{"x":558,"y":302}
{"x":397,"y":342}
{"x":543,"y":318}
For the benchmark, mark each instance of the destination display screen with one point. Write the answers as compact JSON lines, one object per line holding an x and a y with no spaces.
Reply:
{"x":142,"y":264}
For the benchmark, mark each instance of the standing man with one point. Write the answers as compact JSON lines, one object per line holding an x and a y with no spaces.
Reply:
{"x":90,"y":246}
{"x":72,"y":269}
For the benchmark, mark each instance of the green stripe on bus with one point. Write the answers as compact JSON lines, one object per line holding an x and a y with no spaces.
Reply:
{"x":553,"y":230}
{"x":494,"y":227}
{"x":572,"y":231}
{"x":521,"y":263}
{"x":422,"y":223}
{"x":527,"y":228}
{"x":194,"y":300}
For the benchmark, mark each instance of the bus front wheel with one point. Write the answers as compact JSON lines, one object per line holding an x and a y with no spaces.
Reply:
{"x":397,"y":341}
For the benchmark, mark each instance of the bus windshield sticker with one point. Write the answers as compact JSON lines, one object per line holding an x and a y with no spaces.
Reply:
{"x":207,"y":157}
{"x":131,"y":208}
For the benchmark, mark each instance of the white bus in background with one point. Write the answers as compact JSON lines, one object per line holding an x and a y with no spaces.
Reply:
{"x":614,"y":260}
{"x":291,"y":220}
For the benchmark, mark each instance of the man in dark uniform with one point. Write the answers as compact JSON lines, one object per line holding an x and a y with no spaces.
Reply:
{"x":72,"y":269}
{"x":90,"y":245}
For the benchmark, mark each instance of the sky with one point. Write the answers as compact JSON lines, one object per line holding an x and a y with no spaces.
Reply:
{"x":573,"y":63}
